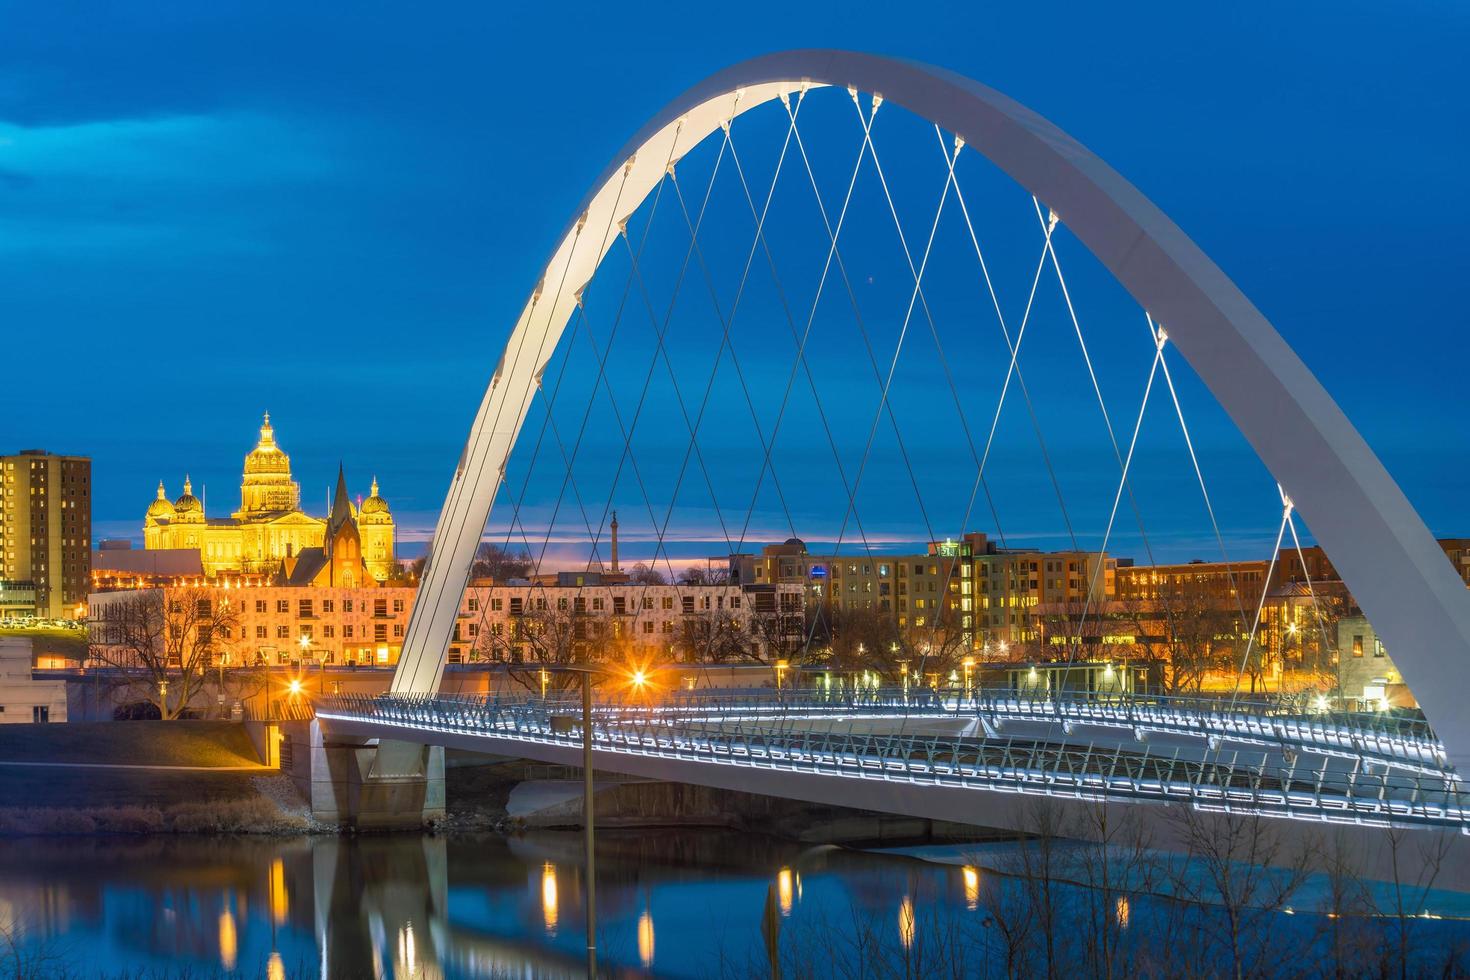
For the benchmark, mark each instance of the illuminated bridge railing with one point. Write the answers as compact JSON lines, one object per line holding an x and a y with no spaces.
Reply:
{"x":1240,"y":781}
{"x":1368,"y":737}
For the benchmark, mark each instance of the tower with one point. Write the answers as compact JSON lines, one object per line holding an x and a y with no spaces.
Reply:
{"x":615,"y":542}
{"x":375,"y":525}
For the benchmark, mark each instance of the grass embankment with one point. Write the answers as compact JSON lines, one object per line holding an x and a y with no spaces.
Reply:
{"x":213,"y":744}
{"x":191,"y":777}
{"x":55,"y":640}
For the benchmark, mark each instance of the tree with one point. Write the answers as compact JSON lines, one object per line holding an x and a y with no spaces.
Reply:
{"x":641,"y":574}
{"x":163,"y":642}
{"x":494,"y":562}
{"x":714,"y":636}
{"x":704,"y":575}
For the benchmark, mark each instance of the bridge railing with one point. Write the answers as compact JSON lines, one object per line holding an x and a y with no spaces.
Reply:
{"x":1237,"y":780}
{"x":1384,"y":738}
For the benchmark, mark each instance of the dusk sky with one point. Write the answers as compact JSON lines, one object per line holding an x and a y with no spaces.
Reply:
{"x":213,"y":210}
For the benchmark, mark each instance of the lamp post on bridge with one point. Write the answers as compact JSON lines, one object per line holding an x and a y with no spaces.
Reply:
{"x":589,"y":893}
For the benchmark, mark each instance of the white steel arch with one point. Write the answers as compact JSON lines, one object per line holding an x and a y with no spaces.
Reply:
{"x":1376,"y":540}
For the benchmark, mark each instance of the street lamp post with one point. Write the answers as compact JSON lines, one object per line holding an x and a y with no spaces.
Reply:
{"x":587,"y":808}
{"x":589,"y":894}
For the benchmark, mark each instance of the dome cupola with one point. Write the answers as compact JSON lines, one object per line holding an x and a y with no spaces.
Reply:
{"x":375,"y":508}
{"x":267,"y":484}
{"x":188,"y":507}
{"x":160,"y":509}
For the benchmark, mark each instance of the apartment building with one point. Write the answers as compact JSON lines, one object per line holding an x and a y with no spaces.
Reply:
{"x":45,"y":534}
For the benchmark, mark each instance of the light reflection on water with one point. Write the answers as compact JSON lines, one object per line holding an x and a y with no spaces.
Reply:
{"x":678,"y":904}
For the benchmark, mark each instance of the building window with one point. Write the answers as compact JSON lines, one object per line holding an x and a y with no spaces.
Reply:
{"x":260,"y":605}
{"x":380,"y":631}
{"x":283,"y":632}
{"x":329,"y":631}
{"x":329,"y":606}
{"x":283,"y":605}
{"x":1357,"y":644}
{"x":398,"y":605}
{"x":260,"y":632}
{"x":303,"y":608}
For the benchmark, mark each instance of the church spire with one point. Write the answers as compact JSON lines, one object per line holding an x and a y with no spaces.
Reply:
{"x":162,"y":494}
{"x":341,"y":505}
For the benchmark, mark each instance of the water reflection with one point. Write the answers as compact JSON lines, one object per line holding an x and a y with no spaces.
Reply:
{"x":280,"y":902}
{"x":398,"y":906}
{"x":645,"y":938}
{"x":548,"y":897}
{"x":228,"y":941}
{"x":971,"y":877}
{"x":906,"y":922}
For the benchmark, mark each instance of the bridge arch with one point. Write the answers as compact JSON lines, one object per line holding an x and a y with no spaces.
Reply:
{"x":1378,"y":543}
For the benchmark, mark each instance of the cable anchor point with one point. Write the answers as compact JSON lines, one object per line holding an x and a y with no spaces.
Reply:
{"x":959,"y":144}
{"x":877,"y":101}
{"x":1161,"y":337}
{"x":1052,"y":219}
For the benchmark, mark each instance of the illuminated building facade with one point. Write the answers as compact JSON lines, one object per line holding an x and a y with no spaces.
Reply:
{"x":45,"y":534}
{"x":269,"y":529}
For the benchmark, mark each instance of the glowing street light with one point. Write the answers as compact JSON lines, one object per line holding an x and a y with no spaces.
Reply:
{"x":781,"y":668}
{"x":969,"y":665}
{"x":294,"y":686}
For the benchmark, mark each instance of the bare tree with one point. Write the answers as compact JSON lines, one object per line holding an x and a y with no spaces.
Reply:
{"x":641,"y":574}
{"x":715,"y":636}
{"x":708,"y":574}
{"x":497,"y":563}
{"x":163,"y":643}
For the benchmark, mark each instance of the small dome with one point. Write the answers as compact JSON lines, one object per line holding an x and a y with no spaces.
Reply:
{"x":160,"y":508}
{"x":188,"y":503}
{"x":797,"y":542}
{"x":374,"y":504}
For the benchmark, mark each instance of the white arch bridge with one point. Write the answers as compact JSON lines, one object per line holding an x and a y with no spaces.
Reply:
{"x":1352,"y":772}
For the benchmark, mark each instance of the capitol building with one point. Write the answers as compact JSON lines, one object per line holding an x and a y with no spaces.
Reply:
{"x":270,"y":531}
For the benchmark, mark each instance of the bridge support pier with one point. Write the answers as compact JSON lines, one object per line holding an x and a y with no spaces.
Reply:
{"x":391,"y":785}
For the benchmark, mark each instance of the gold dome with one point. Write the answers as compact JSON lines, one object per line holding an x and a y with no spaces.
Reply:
{"x":267,"y":459}
{"x":188,"y":504}
{"x":375,"y":504}
{"x":160,"y":509}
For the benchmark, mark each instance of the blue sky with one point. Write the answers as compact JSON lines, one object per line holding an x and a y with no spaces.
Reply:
{"x":334,"y":212}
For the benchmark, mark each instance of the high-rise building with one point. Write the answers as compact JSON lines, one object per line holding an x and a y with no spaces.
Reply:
{"x":45,"y":534}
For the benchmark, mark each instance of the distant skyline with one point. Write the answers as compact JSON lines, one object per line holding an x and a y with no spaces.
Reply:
{"x":335,"y":215}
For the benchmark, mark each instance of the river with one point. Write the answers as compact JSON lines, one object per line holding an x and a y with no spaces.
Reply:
{"x":677,"y":904}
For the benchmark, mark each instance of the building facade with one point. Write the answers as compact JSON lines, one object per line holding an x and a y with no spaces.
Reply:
{"x":269,"y":528}
{"x":573,"y":616}
{"x":981,"y":593}
{"x":45,"y":534}
{"x":23,"y":698}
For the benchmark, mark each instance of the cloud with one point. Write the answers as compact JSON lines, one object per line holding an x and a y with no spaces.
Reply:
{"x":128,"y":183}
